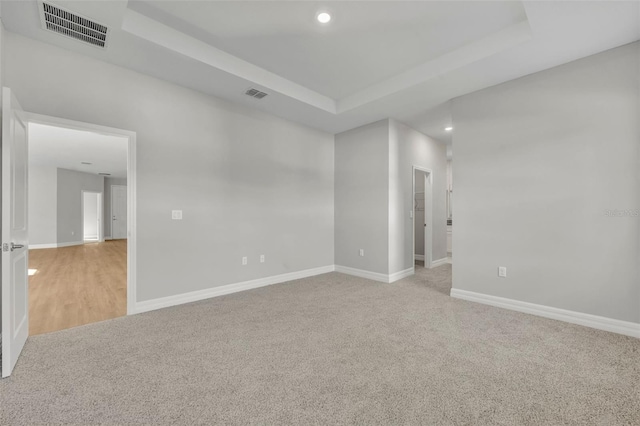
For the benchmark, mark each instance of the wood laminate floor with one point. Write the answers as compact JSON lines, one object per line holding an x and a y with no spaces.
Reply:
{"x":77,"y":285}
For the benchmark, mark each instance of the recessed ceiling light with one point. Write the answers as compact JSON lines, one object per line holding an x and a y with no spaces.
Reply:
{"x":448,"y":129}
{"x":323,"y":17}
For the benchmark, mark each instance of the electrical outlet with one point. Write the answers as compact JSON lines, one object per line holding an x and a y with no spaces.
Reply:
{"x":176,"y":214}
{"x":502,"y":271}
{"x":362,"y":252}
{"x":244,"y":260}
{"x":262,"y":258}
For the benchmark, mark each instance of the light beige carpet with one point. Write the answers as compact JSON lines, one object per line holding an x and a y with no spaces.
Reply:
{"x":332,"y":349}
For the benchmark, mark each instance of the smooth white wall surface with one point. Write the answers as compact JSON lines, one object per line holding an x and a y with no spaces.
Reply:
{"x":107,"y":202}
{"x":409,"y":148}
{"x":539,"y":162}
{"x":43,"y":204}
{"x":248,"y":183}
{"x":362,"y":197}
{"x":69,"y":202}
{"x":90,"y":216}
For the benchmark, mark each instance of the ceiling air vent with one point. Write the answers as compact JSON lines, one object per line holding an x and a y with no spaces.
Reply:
{"x":71,"y":25}
{"x":255,"y":93}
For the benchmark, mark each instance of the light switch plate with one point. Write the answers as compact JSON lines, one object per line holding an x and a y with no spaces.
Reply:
{"x":176,"y":214}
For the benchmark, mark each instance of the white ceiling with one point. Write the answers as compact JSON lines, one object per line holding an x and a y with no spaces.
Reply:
{"x":365,"y":43}
{"x":68,"y":149}
{"x":374,"y":60}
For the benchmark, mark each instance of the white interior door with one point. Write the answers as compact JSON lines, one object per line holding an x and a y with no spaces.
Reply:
{"x":118,"y":212}
{"x":15,"y":255}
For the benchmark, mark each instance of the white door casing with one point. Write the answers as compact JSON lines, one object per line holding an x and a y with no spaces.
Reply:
{"x":118,"y":212}
{"x":15,"y":253}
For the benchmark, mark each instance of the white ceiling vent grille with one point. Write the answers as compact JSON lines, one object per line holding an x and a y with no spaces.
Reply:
{"x":71,"y":25}
{"x":255,"y":93}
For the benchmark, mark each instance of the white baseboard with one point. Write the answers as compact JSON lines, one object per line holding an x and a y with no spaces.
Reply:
{"x":194,"y":296}
{"x":73,"y":243}
{"x":42,"y":246}
{"x":439,"y":262}
{"x":108,"y":238}
{"x":402,"y":274}
{"x":55,"y":245}
{"x":375,"y":276}
{"x":419,"y":257}
{"x":601,"y":323}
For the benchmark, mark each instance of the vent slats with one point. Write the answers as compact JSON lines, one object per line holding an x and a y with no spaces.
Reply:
{"x":255,"y":93}
{"x":74,"y":26}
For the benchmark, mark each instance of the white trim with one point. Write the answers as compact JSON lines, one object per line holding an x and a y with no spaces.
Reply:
{"x":69,"y":244}
{"x":375,"y":276}
{"x":42,"y":246}
{"x":418,"y":256}
{"x":131,"y":188}
{"x":401,"y":274}
{"x":601,"y":323}
{"x":194,"y":296}
{"x":439,"y":262}
{"x":59,"y":245}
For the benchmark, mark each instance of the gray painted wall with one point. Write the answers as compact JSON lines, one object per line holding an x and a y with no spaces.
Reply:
{"x":69,"y":198}
{"x":362,"y":197}
{"x":248,"y":183}
{"x":374,"y":195}
{"x":539,"y":161}
{"x":43,"y":213}
{"x":408,"y":147}
{"x":107,"y":202}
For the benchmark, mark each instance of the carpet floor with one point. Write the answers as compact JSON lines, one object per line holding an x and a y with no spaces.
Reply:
{"x":331,"y":349}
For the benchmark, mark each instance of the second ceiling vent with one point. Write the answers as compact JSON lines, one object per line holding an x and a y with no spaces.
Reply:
{"x":255,"y":93}
{"x":71,"y":25}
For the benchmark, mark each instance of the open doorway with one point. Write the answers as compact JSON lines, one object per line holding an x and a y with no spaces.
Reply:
{"x":78,"y":272}
{"x":92,"y":213}
{"x":422,"y":217}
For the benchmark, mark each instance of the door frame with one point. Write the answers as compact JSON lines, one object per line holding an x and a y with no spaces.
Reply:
{"x":111,"y":207}
{"x":131,"y":187}
{"x":428,"y":211}
{"x":100,"y":214}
